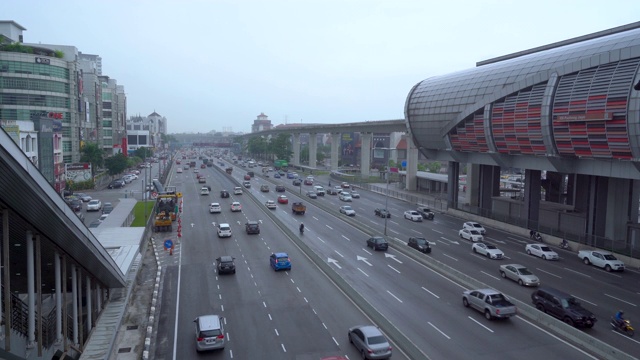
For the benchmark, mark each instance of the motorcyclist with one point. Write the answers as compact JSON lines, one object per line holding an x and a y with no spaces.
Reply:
{"x":619,"y":318}
{"x":531,"y":234}
{"x":301,"y":228}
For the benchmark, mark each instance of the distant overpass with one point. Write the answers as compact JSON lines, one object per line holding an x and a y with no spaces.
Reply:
{"x":376,"y":126}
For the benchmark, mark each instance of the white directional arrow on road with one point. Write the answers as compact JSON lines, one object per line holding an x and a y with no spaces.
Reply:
{"x":213,"y":223}
{"x":451,"y":241}
{"x":392,"y":257}
{"x":499,"y":241}
{"x":363,"y":259}
{"x":192,"y":224}
{"x":334,"y":262}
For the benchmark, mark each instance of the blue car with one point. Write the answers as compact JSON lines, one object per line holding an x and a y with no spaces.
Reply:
{"x":290,"y":175}
{"x":280,"y":261}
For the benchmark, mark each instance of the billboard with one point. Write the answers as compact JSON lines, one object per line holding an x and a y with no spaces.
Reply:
{"x":77,"y":172}
{"x":348,"y":147}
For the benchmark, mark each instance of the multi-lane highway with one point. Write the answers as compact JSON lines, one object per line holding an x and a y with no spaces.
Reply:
{"x":301,"y":314}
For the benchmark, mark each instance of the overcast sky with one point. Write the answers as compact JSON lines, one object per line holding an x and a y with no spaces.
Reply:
{"x":215,"y":65}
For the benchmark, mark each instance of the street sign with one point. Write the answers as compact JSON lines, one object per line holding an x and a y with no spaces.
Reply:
{"x":168,"y":244}
{"x":404,"y":163}
{"x":154,"y":194}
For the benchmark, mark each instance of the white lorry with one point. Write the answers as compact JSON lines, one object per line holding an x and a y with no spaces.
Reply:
{"x":603,"y":259}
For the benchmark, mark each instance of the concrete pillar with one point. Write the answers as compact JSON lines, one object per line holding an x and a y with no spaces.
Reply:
{"x":31,"y":297}
{"x":553,"y":186}
{"x":453,"y":180}
{"x":472,"y":189}
{"x":5,"y":265}
{"x":412,"y":164}
{"x":313,"y":150}
{"x":296,"y":149}
{"x":489,"y":187}
{"x":74,"y":303}
{"x":335,"y":147}
{"x":532,"y":196}
{"x":618,"y":204}
{"x":634,"y":212}
{"x":100,"y":294}
{"x":365,"y":154}
{"x":89,"y":294}
{"x":58,"y":285}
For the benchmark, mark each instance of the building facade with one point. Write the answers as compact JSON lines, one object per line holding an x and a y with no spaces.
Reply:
{"x":261,"y":123}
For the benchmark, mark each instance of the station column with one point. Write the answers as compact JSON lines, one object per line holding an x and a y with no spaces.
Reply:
{"x":365,"y":154}
{"x":296,"y":149}
{"x":412,"y":164}
{"x":313,"y":149}
{"x":335,"y":142}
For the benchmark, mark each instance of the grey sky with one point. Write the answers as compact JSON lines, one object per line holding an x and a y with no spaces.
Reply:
{"x":209,"y":65}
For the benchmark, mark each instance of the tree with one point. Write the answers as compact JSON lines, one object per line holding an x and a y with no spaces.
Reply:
{"x":116,"y":164}
{"x":257,"y":146}
{"x":91,"y":153}
{"x":143,"y":152}
{"x":280,"y":146}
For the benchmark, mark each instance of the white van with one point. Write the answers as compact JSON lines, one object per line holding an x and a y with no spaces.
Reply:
{"x":209,"y":332}
{"x":319,"y":190}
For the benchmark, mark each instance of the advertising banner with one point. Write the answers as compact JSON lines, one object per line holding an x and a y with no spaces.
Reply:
{"x":78,"y":172}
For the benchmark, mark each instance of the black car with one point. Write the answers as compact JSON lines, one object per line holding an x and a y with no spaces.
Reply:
{"x":279,"y":188}
{"x":297,"y":182}
{"x":252,"y":227}
{"x":420,"y":244}
{"x":426,"y":212}
{"x":382,"y":213}
{"x":107,"y":208}
{"x":378,"y":243}
{"x":75,"y":204}
{"x":226,"y":265}
{"x":95,"y":224}
{"x":116,"y":184}
{"x":224,"y":194}
{"x":563,"y":306}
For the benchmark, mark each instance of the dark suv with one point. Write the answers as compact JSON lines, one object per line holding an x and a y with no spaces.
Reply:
{"x":252,"y":227}
{"x":224,"y":194}
{"x":378,"y":243}
{"x":426,"y":212}
{"x":225,"y":265}
{"x":563,"y":306}
{"x":420,"y":244}
{"x":116,"y":184}
{"x":279,"y":188}
{"x":75,"y":204}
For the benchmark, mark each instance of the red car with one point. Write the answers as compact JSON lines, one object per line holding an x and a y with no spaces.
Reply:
{"x":203,"y":166}
{"x":283,"y":199}
{"x":308,"y":182}
{"x":247,"y":177}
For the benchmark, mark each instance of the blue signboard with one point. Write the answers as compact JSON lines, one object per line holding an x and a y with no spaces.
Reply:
{"x":404,"y":163}
{"x":168,"y":244}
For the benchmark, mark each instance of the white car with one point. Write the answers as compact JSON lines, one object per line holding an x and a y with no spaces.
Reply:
{"x":235,"y":206}
{"x":345,"y":196}
{"x":471,"y":225}
{"x":355,"y":195}
{"x":103,"y":217}
{"x":215,"y":208}
{"x":542,"y":251}
{"x":179,"y":170}
{"x":204,"y":191}
{"x":237,"y":190}
{"x":270,"y":204}
{"x":94,"y":205}
{"x":412,"y":215}
{"x":347,"y":210}
{"x":473,"y":235}
{"x":487,"y":250}
{"x":224,"y":230}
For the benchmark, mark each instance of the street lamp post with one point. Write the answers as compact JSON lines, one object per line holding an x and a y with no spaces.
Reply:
{"x":386,"y":198}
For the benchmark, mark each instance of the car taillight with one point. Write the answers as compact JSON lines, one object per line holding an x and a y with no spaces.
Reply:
{"x":370,"y":351}
{"x":221,"y":336}
{"x":200,"y":338}
{"x":498,"y":311}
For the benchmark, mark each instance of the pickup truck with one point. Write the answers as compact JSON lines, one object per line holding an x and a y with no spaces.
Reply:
{"x":603,"y":259}
{"x":298,"y":208}
{"x":489,"y":302}
{"x":426,"y":212}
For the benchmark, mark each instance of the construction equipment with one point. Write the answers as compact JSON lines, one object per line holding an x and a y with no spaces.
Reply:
{"x":166,"y":209}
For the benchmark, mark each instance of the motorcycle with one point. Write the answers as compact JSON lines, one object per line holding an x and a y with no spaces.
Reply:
{"x":564,"y":244}
{"x":624,"y":327}
{"x":301,"y":230}
{"x":536,"y":236}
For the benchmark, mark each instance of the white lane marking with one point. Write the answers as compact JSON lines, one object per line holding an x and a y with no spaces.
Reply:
{"x":270,"y":318}
{"x":367,"y":251}
{"x":495,"y":277}
{"x":394,"y":296}
{"x":346,"y":238}
{"x":230,"y":351}
{"x":626,"y":302}
{"x":264,"y":304}
{"x":583,"y":300}
{"x":475,"y":321}
{"x":305,"y":299}
{"x":393,"y":231}
{"x":438,"y":330}
{"x":624,"y":336}
{"x":277,"y":334}
{"x":363,"y":259}
{"x":298,"y":289}
{"x":328,"y":226}
{"x":451,"y":241}
{"x":616,"y":275}
{"x":393,"y":222}
{"x":416,"y":231}
{"x":436,"y":296}
{"x":512,"y":238}
{"x":393,"y":257}
{"x":394,"y":269}
{"x":557,"y":338}
{"x":338,"y":253}
{"x":439,"y":232}
{"x":365,"y":274}
{"x":450,"y":257}
{"x":325,"y":326}
{"x":321,"y":240}
{"x":577,"y":272}
{"x":292,"y":281}
{"x":335,"y":341}
{"x":548,"y":273}
{"x":283,"y":348}
{"x":499,"y":241}
{"x":334,"y":262}
{"x":446,"y":243}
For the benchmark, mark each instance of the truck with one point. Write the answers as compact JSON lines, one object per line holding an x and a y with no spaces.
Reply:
{"x":298,"y":208}
{"x":192,"y":163}
{"x":492,"y":303}
{"x":166,"y":210}
{"x":280,"y":164}
{"x":229,"y":170}
{"x":603,"y":259}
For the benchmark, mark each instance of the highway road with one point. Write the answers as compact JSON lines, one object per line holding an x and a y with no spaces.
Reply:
{"x":280,"y":317}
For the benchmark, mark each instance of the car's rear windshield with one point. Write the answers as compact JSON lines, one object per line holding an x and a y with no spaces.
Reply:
{"x":283,"y":259}
{"x":377,"y":340}
{"x":210,"y":333}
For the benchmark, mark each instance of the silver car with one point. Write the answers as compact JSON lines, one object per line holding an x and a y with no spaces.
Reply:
{"x":370,"y":342}
{"x":519,"y":274}
{"x":209,"y":333}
